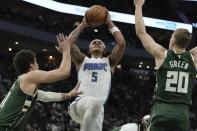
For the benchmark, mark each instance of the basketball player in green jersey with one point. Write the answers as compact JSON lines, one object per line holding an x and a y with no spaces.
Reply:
{"x":17,"y":106}
{"x":176,"y":70}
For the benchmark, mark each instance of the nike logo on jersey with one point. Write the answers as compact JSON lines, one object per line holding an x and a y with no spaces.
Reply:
{"x":95,"y":66}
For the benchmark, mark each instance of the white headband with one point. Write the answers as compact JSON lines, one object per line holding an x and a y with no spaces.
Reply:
{"x":101,"y":43}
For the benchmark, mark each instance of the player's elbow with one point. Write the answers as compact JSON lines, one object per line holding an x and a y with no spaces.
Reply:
{"x":121,"y":42}
{"x":65,"y":73}
{"x":122,"y":45}
{"x":65,"y":70}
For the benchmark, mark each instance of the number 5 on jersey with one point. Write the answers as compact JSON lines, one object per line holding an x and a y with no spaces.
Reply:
{"x":180,"y":79}
{"x":94,"y":76}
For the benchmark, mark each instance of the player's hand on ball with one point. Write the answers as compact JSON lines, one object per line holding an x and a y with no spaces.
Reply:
{"x":96,"y":15}
{"x":108,"y":19}
{"x":84,"y":22}
{"x":63,"y":43}
{"x":75,"y":91}
{"x":139,"y":2}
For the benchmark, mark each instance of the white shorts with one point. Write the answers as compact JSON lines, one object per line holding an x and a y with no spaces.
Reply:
{"x":72,"y":111}
{"x":78,"y":107}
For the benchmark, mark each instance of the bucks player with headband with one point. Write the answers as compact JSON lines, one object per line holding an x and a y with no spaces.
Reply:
{"x":17,"y":106}
{"x":94,"y":73}
{"x":176,"y":70}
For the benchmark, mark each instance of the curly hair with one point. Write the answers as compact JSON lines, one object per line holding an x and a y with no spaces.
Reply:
{"x":22,"y":61}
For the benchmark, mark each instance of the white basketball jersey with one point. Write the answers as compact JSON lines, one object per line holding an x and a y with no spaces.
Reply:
{"x":95,"y":77}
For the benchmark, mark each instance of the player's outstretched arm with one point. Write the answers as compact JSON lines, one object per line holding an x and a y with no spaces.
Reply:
{"x":76,"y":55}
{"x":149,"y":44}
{"x":39,"y":76}
{"x":119,"y":49}
{"x":194,"y":51}
{"x":53,"y":96}
{"x":194,"y":54}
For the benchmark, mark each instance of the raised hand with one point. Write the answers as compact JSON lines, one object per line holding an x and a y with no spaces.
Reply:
{"x":84,"y":22}
{"x":139,"y":2}
{"x":108,"y":19}
{"x":63,"y":43}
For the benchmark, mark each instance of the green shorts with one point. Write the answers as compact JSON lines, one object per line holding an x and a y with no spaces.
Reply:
{"x":3,"y":128}
{"x":169,"y":117}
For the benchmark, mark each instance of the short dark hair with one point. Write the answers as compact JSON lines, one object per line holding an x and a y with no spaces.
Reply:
{"x":22,"y":61}
{"x":182,"y":37}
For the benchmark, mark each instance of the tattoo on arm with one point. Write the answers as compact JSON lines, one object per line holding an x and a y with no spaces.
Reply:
{"x":73,"y":36}
{"x":76,"y":55}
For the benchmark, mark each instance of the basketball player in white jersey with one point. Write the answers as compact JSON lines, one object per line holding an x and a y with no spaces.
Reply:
{"x":94,"y":73}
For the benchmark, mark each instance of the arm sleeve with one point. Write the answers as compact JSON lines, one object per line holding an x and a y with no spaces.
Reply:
{"x":49,"y":96}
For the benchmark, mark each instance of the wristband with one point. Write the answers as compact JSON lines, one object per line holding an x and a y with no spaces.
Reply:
{"x":114,"y":29}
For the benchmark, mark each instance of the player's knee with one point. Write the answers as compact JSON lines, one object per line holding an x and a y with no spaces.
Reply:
{"x":97,"y":106}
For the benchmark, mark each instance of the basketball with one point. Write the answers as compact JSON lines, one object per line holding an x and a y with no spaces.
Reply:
{"x":96,"y":15}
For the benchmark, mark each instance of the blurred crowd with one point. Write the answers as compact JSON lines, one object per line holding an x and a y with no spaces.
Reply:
{"x":130,"y":98}
{"x":42,"y":19}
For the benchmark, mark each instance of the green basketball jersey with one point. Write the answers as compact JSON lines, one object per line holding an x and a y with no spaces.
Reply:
{"x":16,"y":108}
{"x":175,"y":78}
